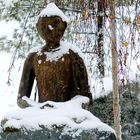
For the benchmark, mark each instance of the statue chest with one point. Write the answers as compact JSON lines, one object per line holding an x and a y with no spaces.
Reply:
{"x":59,"y":69}
{"x":53,"y":77}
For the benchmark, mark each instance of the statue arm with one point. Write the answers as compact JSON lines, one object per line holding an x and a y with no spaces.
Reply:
{"x":80,"y":77}
{"x":26,"y":82}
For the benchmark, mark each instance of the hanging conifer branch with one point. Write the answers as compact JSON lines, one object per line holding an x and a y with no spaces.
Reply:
{"x":19,"y":44}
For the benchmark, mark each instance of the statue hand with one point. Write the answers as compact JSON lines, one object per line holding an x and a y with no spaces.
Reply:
{"x":22,"y":103}
{"x":26,"y":102}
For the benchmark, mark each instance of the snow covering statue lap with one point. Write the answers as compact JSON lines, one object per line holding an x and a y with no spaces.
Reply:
{"x":59,"y":71}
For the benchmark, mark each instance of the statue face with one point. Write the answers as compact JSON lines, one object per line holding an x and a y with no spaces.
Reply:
{"x":51,"y":29}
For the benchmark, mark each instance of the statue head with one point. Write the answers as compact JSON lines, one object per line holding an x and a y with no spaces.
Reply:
{"x":51,"y":29}
{"x":52,"y":23}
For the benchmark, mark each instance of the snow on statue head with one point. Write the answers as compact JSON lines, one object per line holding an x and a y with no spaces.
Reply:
{"x":52,"y":23}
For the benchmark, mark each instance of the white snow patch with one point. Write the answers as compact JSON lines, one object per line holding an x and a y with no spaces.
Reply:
{"x":10,"y":3}
{"x":7,"y":28}
{"x":57,"y":53}
{"x":63,"y":59}
{"x":101,"y":87}
{"x":69,"y":114}
{"x":39,"y":61}
{"x":50,"y":27}
{"x":52,"y":10}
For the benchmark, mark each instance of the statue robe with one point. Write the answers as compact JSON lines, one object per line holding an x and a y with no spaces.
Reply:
{"x":56,"y":80}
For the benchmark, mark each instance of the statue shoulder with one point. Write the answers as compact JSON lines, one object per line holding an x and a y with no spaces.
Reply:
{"x":30,"y":56}
{"x":75,"y":55}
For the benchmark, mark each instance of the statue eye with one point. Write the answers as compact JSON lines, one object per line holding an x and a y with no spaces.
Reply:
{"x":50,"y":27}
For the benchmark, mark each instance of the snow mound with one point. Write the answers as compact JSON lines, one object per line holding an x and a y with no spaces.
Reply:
{"x":52,"y":10}
{"x":69,"y":115}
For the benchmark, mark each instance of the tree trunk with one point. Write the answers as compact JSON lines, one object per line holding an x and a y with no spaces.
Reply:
{"x":116,"y":108}
{"x":100,"y":49}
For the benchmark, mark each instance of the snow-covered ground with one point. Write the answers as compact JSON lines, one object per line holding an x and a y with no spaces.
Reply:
{"x":8,"y":93}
